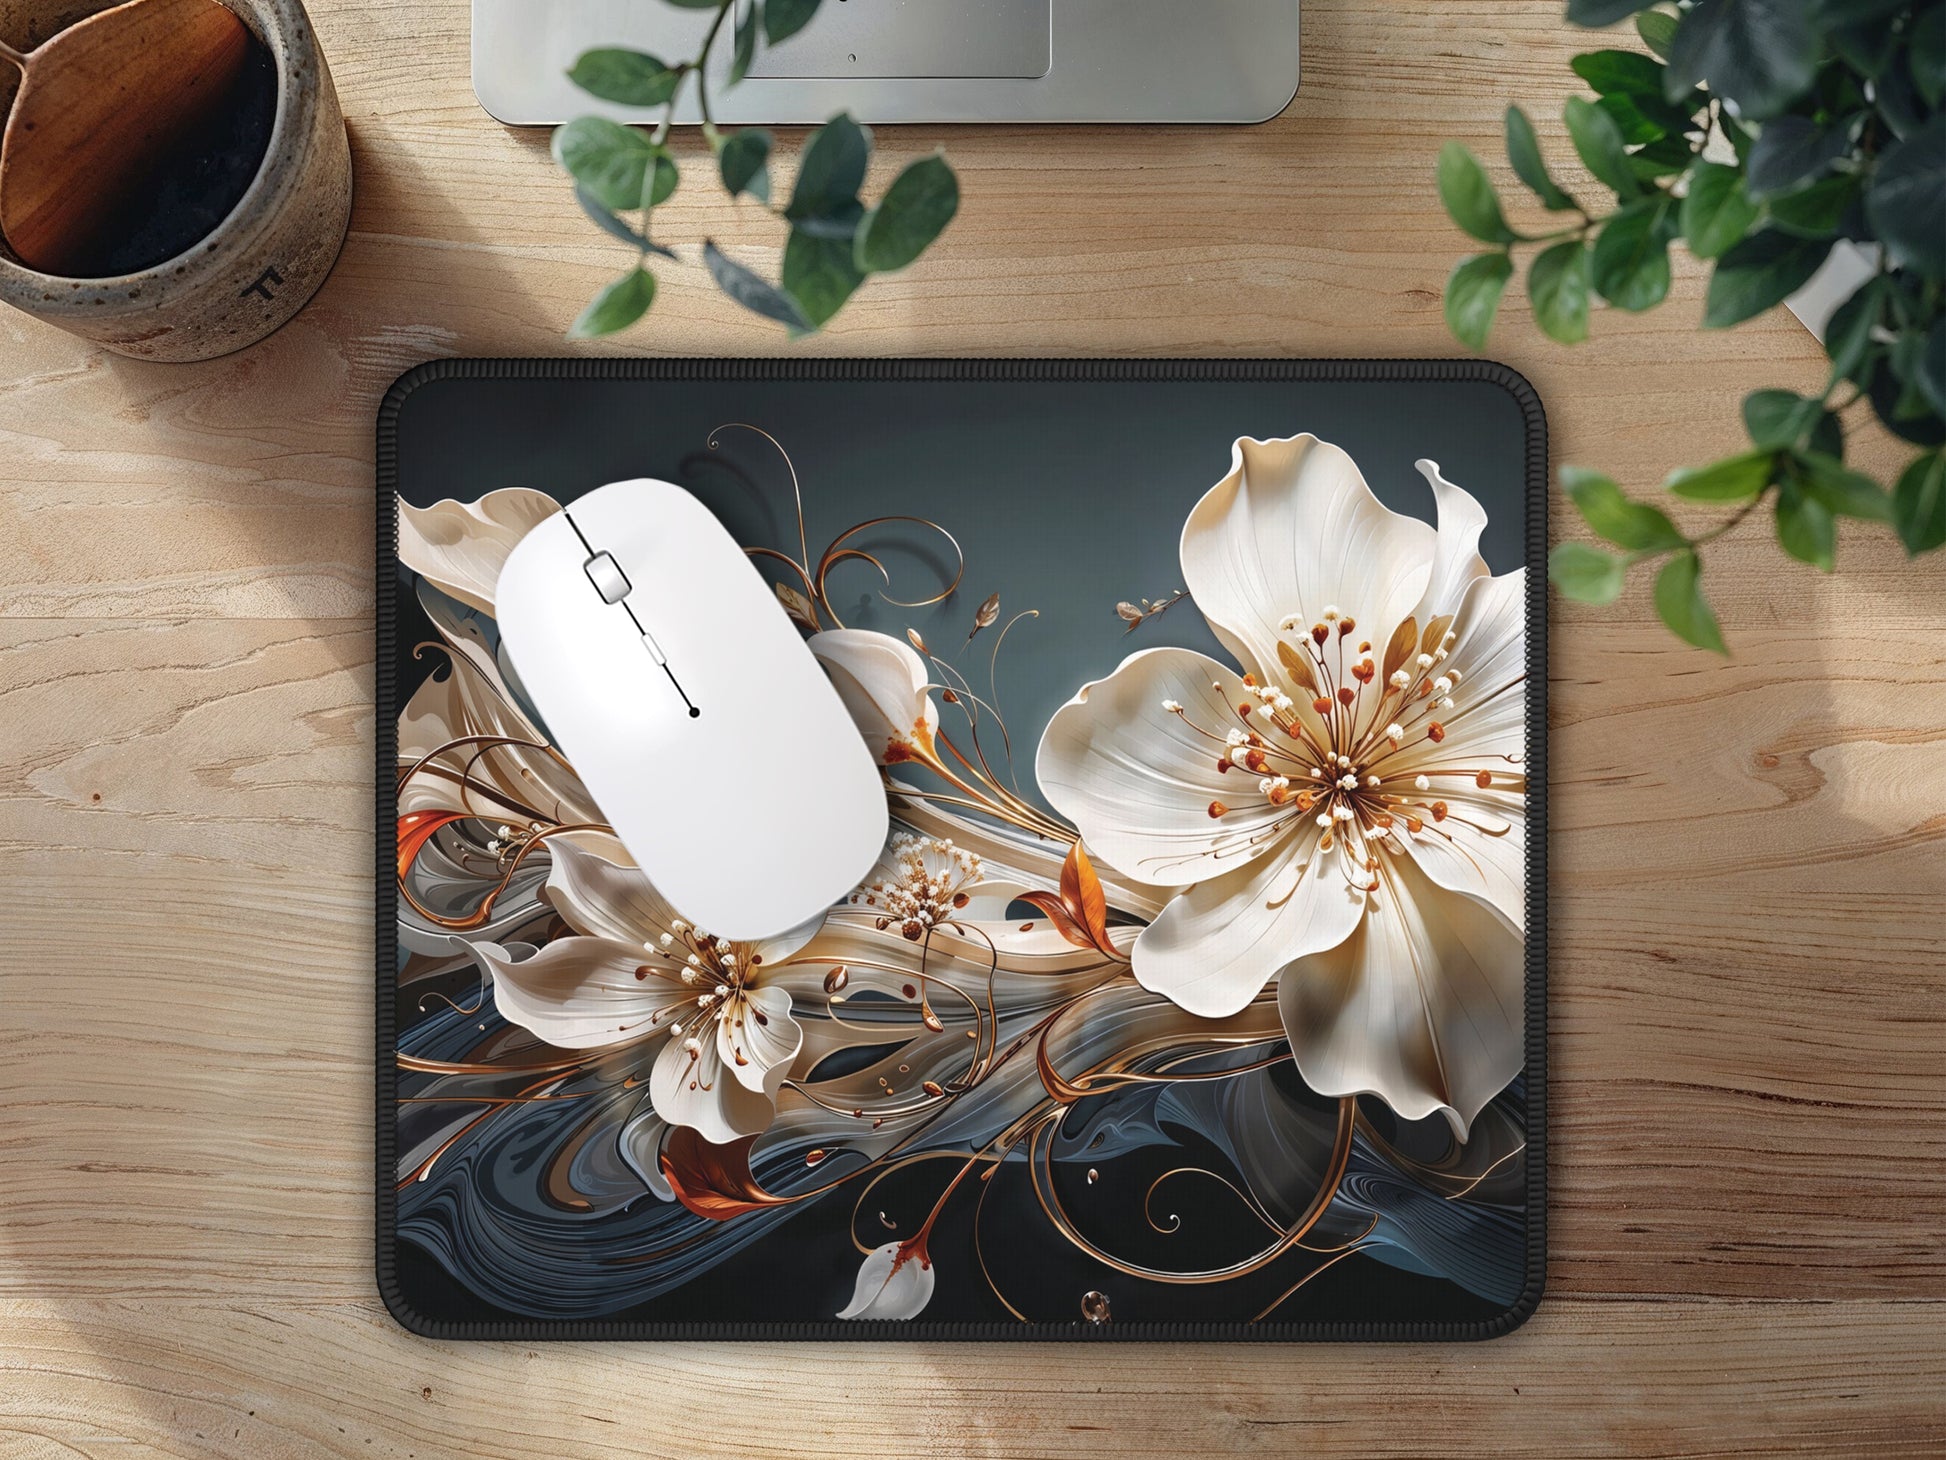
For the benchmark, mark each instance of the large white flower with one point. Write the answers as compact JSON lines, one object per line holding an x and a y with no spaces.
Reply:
{"x":1349,"y":808}
{"x":460,"y":546}
{"x":638,"y":971}
{"x":885,"y":687}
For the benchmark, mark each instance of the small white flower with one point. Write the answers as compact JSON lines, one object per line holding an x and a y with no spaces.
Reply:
{"x":666,"y":939}
{"x":1332,"y":613}
{"x":1174,"y":707}
{"x":893,"y":1282}
{"x":695,"y":961}
{"x":1235,"y":738}
{"x":692,"y":1047}
{"x":1421,"y":783}
{"x":1443,"y":685}
{"x":1400,"y":679}
{"x":1349,"y":781}
{"x":1372,"y":782}
{"x":1317,"y":773}
{"x":1395,"y":732}
{"x":1446,"y":703}
{"x":1342,"y":813}
{"x":1290,"y":622}
{"x":1454,"y":675}
{"x":1324,"y":820}
{"x":1424,"y":661}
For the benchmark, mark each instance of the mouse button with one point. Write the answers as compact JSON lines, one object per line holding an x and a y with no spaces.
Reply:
{"x":607,"y":576}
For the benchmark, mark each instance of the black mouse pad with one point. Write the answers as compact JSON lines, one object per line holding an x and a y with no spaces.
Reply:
{"x":1199,"y":990}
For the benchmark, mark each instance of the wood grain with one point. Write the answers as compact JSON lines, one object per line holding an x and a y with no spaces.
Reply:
{"x":1748,"y":1026}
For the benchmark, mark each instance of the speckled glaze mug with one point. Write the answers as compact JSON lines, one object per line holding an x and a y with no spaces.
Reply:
{"x":262,"y":262}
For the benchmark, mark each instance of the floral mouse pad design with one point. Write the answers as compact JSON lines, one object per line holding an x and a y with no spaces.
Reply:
{"x":1198,"y":988}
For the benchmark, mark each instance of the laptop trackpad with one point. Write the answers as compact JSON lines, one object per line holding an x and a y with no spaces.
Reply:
{"x":890,"y":38}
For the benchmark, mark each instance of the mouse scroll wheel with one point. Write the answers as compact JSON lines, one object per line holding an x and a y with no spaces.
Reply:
{"x":607,"y":576}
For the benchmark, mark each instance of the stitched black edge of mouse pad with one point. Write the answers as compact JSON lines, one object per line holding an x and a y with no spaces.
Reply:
{"x":1363,"y":1299}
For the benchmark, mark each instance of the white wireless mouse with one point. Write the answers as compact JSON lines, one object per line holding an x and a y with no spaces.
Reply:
{"x":670,"y":677}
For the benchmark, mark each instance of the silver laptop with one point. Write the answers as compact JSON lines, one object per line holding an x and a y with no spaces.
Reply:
{"x":917,"y":60}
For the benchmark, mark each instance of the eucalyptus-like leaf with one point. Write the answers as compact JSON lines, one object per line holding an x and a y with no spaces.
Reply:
{"x":1793,"y":150}
{"x":1586,"y":574}
{"x":820,"y":274}
{"x":1777,"y":420}
{"x":1468,"y":195}
{"x":1657,"y":29}
{"x":785,"y":18}
{"x":1919,"y":503}
{"x":752,"y":291}
{"x":1734,"y":479}
{"x":914,"y":211}
{"x":1473,"y":296}
{"x":1524,"y":152}
{"x":1599,"y":142}
{"x":1630,"y":267}
{"x":1760,"y":54}
{"x":1816,"y":211}
{"x":615,"y":227}
{"x":1907,"y":200}
{"x":1680,"y":602}
{"x":746,"y":42}
{"x":606,"y":158}
{"x":1717,"y":212}
{"x":1759,"y":273}
{"x":1806,"y":527}
{"x":1596,"y":13}
{"x":629,"y":78}
{"x":831,"y":170}
{"x":617,"y":307}
{"x":1842,"y":491}
{"x":743,"y":163}
{"x":1632,"y":525}
{"x":1557,"y":286}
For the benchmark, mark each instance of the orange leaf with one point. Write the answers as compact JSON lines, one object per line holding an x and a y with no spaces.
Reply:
{"x":714,"y":1181}
{"x":1084,"y":900}
{"x":1297,"y":666}
{"x":416,"y":828}
{"x":1404,"y":639}
{"x":1048,"y":903}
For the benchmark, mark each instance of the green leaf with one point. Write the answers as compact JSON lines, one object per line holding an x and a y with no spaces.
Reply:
{"x":606,"y":158}
{"x":1596,"y":13}
{"x":1906,"y":201}
{"x":1679,"y":600}
{"x":746,"y":44}
{"x":1632,"y":525}
{"x":1586,"y":574}
{"x":1634,"y":123}
{"x":599,"y":213}
{"x":1760,"y":54}
{"x":742,"y":162}
{"x":914,"y":211}
{"x":1657,"y":29}
{"x":1778,"y":419}
{"x":1919,"y":503}
{"x":1630,"y":268}
{"x":819,"y":274}
{"x":1817,"y":211}
{"x":1599,"y":141}
{"x":785,"y":18}
{"x":832,"y":171}
{"x":752,"y":292}
{"x":1926,"y":57}
{"x":1762,"y":271}
{"x":1629,"y":72}
{"x":1841,"y":490}
{"x":660,"y":179}
{"x":1468,"y":195}
{"x":1734,"y":479}
{"x":1524,"y":152}
{"x":1930,"y":368}
{"x":1848,"y":335}
{"x":616,"y":307}
{"x":1806,"y":528}
{"x":1660,"y":158}
{"x":630,"y":78}
{"x":1717,"y":212}
{"x":1557,"y":283}
{"x":1473,"y":295}
{"x":1792,"y":150}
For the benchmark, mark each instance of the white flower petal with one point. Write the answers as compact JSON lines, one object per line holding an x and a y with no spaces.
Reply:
{"x":1138,"y":780}
{"x":1456,"y":554}
{"x":576,"y":993}
{"x":601,"y":898}
{"x":697,"y":1091}
{"x":888,"y":1288}
{"x":1421,"y":1006}
{"x":1216,"y":945}
{"x":1293,"y":528}
{"x":459,"y":546}
{"x":767,"y":1037}
{"x":883,"y":684}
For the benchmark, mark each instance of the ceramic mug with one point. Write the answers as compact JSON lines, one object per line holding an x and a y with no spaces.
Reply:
{"x":268,"y":255}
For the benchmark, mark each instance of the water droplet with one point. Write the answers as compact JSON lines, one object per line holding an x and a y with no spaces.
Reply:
{"x":836,"y":979}
{"x":1093,"y":1176}
{"x":811,"y":1158}
{"x":932,"y":1089}
{"x":905,"y":1069}
{"x":1094,"y":1307}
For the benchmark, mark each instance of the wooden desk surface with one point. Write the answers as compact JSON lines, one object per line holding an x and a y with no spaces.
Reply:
{"x":1748,"y":1037}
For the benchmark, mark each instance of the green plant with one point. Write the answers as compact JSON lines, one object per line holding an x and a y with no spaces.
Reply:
{"x":1761,"y":134}
{"x":836,"y":241}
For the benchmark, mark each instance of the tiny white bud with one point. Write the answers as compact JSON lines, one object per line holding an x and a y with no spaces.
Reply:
{"x":1400,"y":679}
{"x":1324,"y":820}
{"x":1443,"y":685}
{"x":1395,"y":732}
{"x":1332,"y":613}
{"x":666,"y":939}
{"x":1424,"y":661}
{"x":1174,"y":707}
{"x":1446,"y":703}
{"x":1372,"y":781}
{"x":1420,"y":783}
